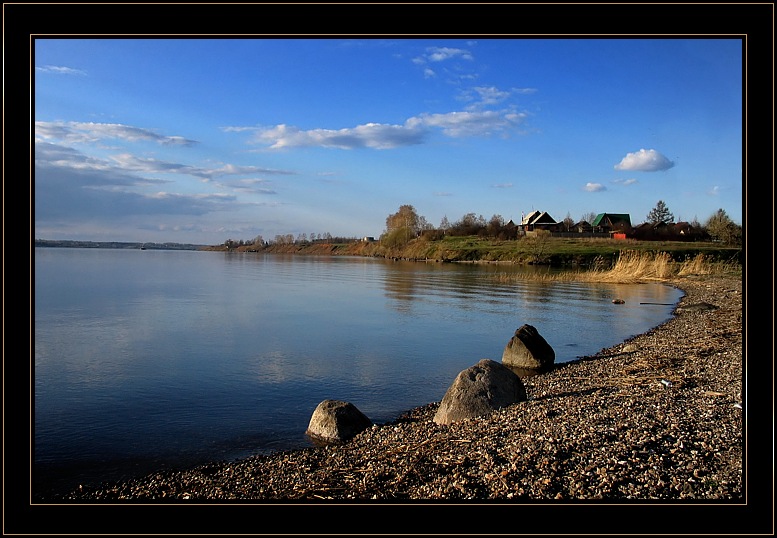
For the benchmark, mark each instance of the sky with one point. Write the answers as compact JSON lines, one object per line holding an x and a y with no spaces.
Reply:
{"x":204,"y":140}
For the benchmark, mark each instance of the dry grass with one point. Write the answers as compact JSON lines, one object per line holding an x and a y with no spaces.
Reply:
{"x":634,"y":266}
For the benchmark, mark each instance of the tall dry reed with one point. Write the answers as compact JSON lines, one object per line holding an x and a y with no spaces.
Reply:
{"x":631,"y":267}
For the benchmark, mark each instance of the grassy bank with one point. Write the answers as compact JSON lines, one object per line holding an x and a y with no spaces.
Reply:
{"x":588,"y":253}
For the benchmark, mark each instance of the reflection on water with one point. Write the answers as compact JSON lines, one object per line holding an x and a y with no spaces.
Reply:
{"x":147,"y":359}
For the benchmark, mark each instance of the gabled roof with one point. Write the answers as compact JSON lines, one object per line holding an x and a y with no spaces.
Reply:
{"x":614,"y":218}
{"x":535,"y":217}
{"x":530,"y":217}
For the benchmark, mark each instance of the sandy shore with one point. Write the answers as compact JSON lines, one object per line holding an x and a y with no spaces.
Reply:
{"x":657,"y":417}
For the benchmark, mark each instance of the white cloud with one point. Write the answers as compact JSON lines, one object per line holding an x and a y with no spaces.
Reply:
{"x":714,"y":191}
{"x":594,"y":187}
{"x":459,"y":124}
{"x":60,"y":70}
{"x":429,"y":73}
{"x":491,"y":95}
{"x":123,"y":167}
{"x":87,"y":132}
{"x":439,"y":54}
{"x":369,"y":135}
{"x":645,"y":160}
{"x":384,"y":136}
{"x":629,"y":181}
{"x":502,"y":186}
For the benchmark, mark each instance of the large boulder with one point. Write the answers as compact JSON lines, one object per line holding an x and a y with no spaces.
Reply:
{"x":334,"y":421}
{"x":528,"y":350}
{"x":478,"y":391}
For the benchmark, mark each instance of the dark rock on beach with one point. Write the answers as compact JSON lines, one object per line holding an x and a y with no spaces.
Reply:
{"x":479,"y":390}
{"x":335,"y":421}
{"x":528,"y":350}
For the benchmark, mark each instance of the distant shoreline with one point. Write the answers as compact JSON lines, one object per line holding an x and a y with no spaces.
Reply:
{"x":121,"y":245}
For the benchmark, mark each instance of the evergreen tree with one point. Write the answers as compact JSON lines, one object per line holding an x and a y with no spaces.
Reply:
{"x":660,"y":213}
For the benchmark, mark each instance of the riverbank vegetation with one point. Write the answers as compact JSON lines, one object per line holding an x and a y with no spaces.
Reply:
{"x":633,"y":266}
{"x":537,"y":249}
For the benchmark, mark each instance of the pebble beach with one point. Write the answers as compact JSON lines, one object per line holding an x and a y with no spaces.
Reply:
{"x":658,"y":417}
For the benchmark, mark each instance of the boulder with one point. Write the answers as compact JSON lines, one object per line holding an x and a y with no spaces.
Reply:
{"x":335,"y":421}
{"x":478,"y":391}
{"x":528,"y":350}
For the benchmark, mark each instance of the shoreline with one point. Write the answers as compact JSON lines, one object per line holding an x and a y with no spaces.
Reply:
{"x":658,"y":416}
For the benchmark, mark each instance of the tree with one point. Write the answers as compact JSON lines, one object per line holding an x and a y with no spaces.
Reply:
{"x":568,"y":222}
{"x":588,"y":217}
{"x":495,"y":226}
{"x":403,"y":226}
{"x":660,"y":213}
{"x":405,"y":218}
{"x":445,"y":224}
{"x":536,"y":244}
{"x":722,"y":228}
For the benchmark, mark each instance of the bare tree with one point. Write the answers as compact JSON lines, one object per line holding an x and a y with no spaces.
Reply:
{"x":568,"y":222}
{"x":537,"y":244}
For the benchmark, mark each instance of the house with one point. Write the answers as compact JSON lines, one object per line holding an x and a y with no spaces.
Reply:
{"x":612,"y":223}
{"x":662,"y":231}
{"x":582,"y":227}
{"x":537,"y":220}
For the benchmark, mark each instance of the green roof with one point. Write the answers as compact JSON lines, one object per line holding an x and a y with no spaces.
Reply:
{"x":614,"y":218}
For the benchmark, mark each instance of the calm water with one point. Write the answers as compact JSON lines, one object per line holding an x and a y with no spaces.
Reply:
{"x":145,"y":360}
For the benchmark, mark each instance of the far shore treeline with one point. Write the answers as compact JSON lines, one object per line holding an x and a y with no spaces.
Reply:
{"x":591,"y":242}
{"x":588,"y":242}
{"x":116,"y":244}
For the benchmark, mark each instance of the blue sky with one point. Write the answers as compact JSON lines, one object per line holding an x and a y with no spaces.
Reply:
{"x":203,"y":140}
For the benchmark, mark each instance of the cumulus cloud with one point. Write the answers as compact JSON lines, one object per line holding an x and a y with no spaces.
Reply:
{"x":59,"y":70}
{"x":73,"y":132}
{"x":594,"y":187}
{"x":644,"y":160}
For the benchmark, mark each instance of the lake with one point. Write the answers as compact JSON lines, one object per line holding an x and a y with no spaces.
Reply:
{"x":150,"y":359}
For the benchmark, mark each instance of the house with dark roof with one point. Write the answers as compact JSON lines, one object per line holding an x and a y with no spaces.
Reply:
{"x":537,"y":220}
{"x":612,"y":223}
{"x":582,"y":227}
{"x":662,"y":231}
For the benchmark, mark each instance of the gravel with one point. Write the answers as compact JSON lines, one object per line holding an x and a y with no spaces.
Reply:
{"x":659,"y":416}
